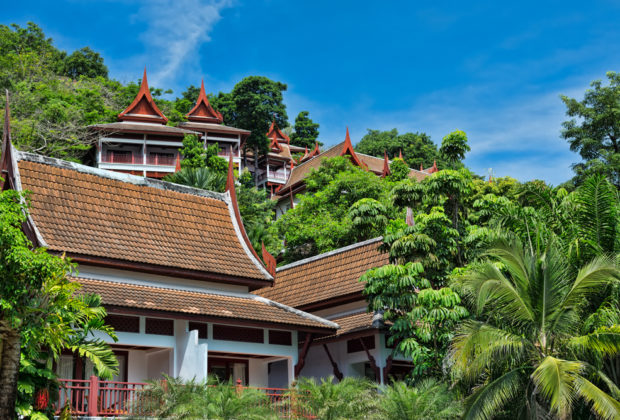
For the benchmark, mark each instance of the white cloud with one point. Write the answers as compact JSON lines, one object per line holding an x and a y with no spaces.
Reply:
{"x":175,"y":29}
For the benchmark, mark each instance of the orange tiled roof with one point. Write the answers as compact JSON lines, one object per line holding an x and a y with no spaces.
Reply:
{"x":247,"y":307}
{"x":361,"y":321}
{"x":326,"y":276}
{"x":87,"y":211}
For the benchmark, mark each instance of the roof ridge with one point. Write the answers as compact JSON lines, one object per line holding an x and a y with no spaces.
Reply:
{"x":118,"y":176}
{"x":248,"y":296}
{"x":329,"y":254}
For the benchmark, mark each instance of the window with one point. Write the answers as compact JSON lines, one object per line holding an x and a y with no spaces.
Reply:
{"x":284,"y":338}
{"x":229,"y":369}
{"x":229,"y":333}
{"x":355,"y":345}
{"x":159,"y":326}
{"x":203,"y":331}
{"x":123,"y":323}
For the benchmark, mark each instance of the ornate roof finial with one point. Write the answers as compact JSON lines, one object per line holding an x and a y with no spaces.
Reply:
{"x":400,"y":154}
{"x":421,"y":168}
{"x":433,"y":168}
{"x":270,"y":262}
{"x":203,"y":111}
{"x":347,"y":149}
{"x":143,"y":108}
{"x":386,"y":165}
{"x":316,"y":151}
{"x":177,"y":168}
{"x":6,"y":164}
{"x":275,"y":133}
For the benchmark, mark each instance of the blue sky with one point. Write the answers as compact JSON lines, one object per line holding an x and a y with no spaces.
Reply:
{"x":492,"y":69}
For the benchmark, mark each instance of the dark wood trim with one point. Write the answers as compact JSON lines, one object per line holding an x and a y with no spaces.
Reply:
{"x":253,"y":284}
{"x":371,"y":359}
{"x":302,"y":356}
{"x":328,"y":303}
{"x":114,"y":309}
{"x":344,"y":337}
{"x":335,"y":369}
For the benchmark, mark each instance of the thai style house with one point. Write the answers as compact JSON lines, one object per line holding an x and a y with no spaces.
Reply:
{"x":327,"y":285}
{"x":174,"y":269}
{"x":141,"y":143}
{"x":274,"y":168}
{"x":286,"y":195}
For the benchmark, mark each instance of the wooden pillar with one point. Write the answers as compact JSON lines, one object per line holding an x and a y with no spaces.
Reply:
{"x":373,"y":362}
{"x":337,"y":372}
{"x":302,"y":356}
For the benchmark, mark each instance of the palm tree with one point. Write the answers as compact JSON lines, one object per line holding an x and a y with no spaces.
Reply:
{"x":429,"y":399}
{"x":202,"y":178}
{"x":529,"y":348}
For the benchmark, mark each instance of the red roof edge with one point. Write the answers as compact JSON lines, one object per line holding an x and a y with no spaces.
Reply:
{"x":347,"y":149}
{"x":274,"y":132}
{"x":230,"y":188}
{"x":270,"y":262}
{"x":386,"y":166}
{"x":6,"y":164}
{"x":305,"y":156}
{"x":144,"y":93}
{"x":212,"y":114}
{"x":316,"y":151}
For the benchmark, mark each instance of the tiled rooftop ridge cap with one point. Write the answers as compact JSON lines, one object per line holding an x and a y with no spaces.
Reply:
{"x":329,"y":254}
{"x":118,"y":176}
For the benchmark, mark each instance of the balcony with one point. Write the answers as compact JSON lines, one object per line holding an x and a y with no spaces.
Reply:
{"x":279,"y":176}
{"x":128,"y":160}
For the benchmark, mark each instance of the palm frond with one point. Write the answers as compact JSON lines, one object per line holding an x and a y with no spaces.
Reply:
{"x":601,"y":403}
{"x":591,"y":278}
{"x":490,"y":398}
{"x":604,"y":341}
{"x":555,"y":380}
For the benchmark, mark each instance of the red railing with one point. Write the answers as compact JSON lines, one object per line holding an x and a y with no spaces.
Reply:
{"x":128,"y":157}
{"x":158,"y":159}
{"x":164,"y":159}
{"x":97,"y":398}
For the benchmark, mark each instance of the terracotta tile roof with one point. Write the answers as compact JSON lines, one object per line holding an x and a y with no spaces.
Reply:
{"x":129,"y":127}
{"x":326,"y":276}
{"x":361,"y":321}
{"x":220,"y":305}
{"x":93,"y":212}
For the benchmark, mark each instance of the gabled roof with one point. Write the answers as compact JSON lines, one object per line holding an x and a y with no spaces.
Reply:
{"x":211,"y":305}
{"x":326,"y":277}
{"x":143,"y":108}
{"x":203,"y":111}
{"x":347,"y":149}
{"x":118,"y":220}
{"x":276,"y":134}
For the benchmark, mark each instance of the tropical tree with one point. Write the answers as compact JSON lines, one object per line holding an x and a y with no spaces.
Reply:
{"x":193,"y":152}
{"x":527,"y":349}
{"x":427,"y":399}
{"x":454,"y":146}
{"x":306,"y":131}
{"x":594,"y":130}
{"x":41,"y":311}
{"x":85,"y":62}
{"x":203,"y":178}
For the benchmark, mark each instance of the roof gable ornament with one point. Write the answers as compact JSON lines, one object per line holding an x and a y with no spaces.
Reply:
{"x":433,"y":168}
{"x":386,"y":166}
{"x":305,"y":156}
{"x":6,"y":164}
{"x":177,"y":167}
{"x":347,"y":149}
{"x":316,"y":151}
{"x":230,"y":189}
{"x":143,"y":108}
{"x":203,"y":111}
{"x":400,"y":154}
{"x":269,"y":260}
{"x":275,"y":134}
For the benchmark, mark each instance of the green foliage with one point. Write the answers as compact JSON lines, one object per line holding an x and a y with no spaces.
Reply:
{"x":173,"y":398}
{"x":306,"y":131}
{"x":399,"y":170}
{"x":193,"y":152}
{"x":454,"y":146}
{"x":203,"y":178}
{"x":214,"y":162}
{"x":417,"y":148}
{"x":42,"y":309}
{"x":85,"y":62}
{"x":322,"y":220}
{"x":593,"y":130}
{"x":428,"y":399}
{"x":527,"y":350}
{"x":350,"y":398}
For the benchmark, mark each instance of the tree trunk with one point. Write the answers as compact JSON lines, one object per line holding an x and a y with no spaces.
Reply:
{"x":9,"y":369}
{"x":256,"y":165}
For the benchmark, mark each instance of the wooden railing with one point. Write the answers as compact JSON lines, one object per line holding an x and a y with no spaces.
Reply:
{"x":97,"y":398}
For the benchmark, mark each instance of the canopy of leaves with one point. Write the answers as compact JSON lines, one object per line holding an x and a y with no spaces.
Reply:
{"x":306,"y":131}
{"x":594,"y":130}
{"x":417,"y":148}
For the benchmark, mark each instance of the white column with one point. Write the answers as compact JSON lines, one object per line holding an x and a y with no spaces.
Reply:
{"x":144,"y":155}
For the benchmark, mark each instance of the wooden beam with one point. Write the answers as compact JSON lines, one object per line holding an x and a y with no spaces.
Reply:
{"x":304,"y":351}
{"x":373,"y":362}
{"x":337,"y":372}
